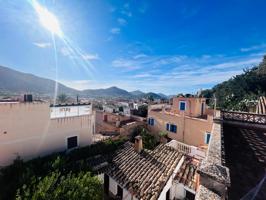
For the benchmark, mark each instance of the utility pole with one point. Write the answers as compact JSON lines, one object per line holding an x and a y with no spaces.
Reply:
{"x":214,"y":105}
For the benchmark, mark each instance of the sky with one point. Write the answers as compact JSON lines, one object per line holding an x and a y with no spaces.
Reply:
{"x":167,"y":46}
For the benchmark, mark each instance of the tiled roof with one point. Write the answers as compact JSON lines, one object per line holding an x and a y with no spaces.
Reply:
{"x":246,"y":158}
{"x":187,"y":174}
{"x":144,"y":174}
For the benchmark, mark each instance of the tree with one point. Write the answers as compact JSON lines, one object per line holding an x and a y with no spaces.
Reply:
{"x":59,"y":187}
{"x":62,"y":98}
{"x":142,"y":111}
{"x":149,"y":140}
{"x":241,"y":90}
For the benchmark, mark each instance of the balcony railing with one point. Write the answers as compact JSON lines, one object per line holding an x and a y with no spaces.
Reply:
{"x":187,"y":149}
{"x":243,"y":117}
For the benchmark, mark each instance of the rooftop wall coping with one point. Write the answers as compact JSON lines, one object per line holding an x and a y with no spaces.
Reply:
{"x":204,"y":193}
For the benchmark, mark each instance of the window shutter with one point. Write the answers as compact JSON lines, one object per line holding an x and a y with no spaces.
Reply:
{"x":167,"y":127}
{"x":174,"y":126}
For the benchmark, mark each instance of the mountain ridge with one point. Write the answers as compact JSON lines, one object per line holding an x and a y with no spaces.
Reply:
{"x":16,"y":82}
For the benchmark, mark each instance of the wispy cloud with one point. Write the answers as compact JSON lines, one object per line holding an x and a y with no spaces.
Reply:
{"x":88,"y":56}
{"x":253,"y":48}
{"x":122,"y":21}
{"x":115,"y":30}
{"x":42,"y":44}
{"x":126,"y":10}
{"x":139,"y":56}
{"x":144,"y":75}
{"x":126,"y":64}
{"x":183,"y":73}
{"x":65,"y":51}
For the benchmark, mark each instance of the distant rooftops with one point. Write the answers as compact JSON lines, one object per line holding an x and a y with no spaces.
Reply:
{"x":70,"y":104}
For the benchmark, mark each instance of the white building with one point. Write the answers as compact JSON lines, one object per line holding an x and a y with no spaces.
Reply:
{"x":35,"y":129}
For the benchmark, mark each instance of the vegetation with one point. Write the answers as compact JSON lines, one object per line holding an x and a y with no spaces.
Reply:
{"x":62,"y":98}
{"x":149,"y":141}
{"x":55,"y":186}
{"x":241,"y":91}
{"x":142,"y":111}
{"x":57,"y":176}
{"x":163,"y":134}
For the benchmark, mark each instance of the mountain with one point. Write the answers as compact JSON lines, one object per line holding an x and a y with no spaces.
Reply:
{"x":242,"y":91}
{"x":108,"y":92}
{"x":163,"y":95}
{"x":152,"y":95}
{"x":137,"y":93}
{"x":14,"y":82}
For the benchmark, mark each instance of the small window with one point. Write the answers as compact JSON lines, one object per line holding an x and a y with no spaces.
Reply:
{"x":182,"y":105}
{"x":151,"y":121}
{"x":72,"y":142}
{"x":207,"y":137}
{"x":171,"y":128}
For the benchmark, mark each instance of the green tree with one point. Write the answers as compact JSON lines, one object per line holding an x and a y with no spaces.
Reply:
{"x":62,"y":98}
{"x":62,"y":187}
{"x":241,"y":90}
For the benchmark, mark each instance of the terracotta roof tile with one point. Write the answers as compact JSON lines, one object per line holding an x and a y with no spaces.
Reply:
{"x":144,"y":174}
{"x":187,"y":174}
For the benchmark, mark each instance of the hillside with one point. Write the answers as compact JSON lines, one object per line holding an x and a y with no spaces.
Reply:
{"x":241,"y":91}
{"x":108,"y":92}
{"x":13,"y":82}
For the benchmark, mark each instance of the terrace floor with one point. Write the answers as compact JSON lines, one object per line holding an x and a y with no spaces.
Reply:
{"x":245,"y":156}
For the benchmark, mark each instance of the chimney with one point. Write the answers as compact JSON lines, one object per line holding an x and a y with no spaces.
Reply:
{"x":138,"y":144}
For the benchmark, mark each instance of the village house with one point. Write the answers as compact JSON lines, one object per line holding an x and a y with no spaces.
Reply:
{"x":133,"y":172}
{"x":31,"y":129}
{"x":113,"y":124}
{"x":187,"y":120}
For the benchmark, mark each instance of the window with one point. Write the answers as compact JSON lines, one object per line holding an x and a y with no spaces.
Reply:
{"x":151,"y":121}
{"x":207,"y":137}
{"x":182,"y":105}
{"x":171,"y":127}
{"x":119,"y":192}
{"x":72,"y":142}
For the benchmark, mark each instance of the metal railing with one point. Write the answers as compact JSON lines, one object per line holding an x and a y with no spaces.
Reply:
{"x":243,"y":117}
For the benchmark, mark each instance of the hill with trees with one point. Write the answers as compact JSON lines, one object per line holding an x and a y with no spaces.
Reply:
{"x":241,"y":91}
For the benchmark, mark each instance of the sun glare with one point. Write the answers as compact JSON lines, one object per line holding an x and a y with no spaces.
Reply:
{"x":47,"y":19}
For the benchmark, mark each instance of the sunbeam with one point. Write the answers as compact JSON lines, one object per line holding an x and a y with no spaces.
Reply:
{"x":47,"y":19}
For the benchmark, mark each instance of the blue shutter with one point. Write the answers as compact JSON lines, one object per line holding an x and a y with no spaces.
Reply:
{"x":208,"y":137}
{"x":182,"y":106}
{"x":167,"y":127}
{"x":174,"y":128}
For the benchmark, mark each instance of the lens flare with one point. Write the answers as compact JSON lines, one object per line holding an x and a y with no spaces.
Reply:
{"x":47,"y":19}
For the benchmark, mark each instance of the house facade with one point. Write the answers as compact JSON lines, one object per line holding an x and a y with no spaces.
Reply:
{"x":187,"y":120}
{"x":32,"y":129}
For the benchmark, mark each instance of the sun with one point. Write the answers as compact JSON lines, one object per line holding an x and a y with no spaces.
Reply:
{"x":47,"y":19}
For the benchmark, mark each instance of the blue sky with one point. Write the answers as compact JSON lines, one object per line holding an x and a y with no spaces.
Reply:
{"x":168,"y":46}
